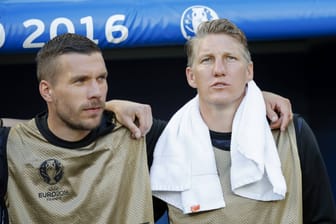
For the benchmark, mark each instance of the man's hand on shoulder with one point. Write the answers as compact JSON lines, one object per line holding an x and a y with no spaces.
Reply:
{"x":137,"y":117}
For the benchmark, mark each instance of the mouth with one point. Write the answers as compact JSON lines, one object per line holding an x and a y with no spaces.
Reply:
{"x":219,"y":85}
{"x":93,"y":111}
{"x":93,"y":106}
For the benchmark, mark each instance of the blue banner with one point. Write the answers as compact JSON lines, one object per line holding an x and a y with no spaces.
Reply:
{"x":26,"y":25}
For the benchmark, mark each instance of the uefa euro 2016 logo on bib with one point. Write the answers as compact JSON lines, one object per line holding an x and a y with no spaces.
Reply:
{"x":193,"y":16}
{"x":51,"y":171}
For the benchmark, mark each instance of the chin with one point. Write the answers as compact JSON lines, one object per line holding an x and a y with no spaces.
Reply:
{"x":219,"y":99}
{"x":96,"y":122}
{"x":92,"y":123}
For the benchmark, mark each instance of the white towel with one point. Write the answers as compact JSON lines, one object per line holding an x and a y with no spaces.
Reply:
{"x":184,"y":171}
{"x":255,"y":165}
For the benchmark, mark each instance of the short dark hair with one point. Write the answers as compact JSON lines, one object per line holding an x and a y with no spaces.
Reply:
{"x":59,"y":45}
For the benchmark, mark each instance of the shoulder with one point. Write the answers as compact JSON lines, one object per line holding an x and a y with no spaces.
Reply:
{"x":300,"y":124}
{"x":107,"y":124}
{"x":156,"y":129}
{"x":159,"y":124}
{"x":305,"y":137}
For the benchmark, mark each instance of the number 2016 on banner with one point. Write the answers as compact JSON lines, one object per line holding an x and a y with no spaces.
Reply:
{"x":110,"y":29}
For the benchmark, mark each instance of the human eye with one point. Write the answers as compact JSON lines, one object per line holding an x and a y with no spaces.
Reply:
{"x":102,"y":78}
{"x":231,"y":58}
{"x":205,"y":60}
{"x":79,"y":80}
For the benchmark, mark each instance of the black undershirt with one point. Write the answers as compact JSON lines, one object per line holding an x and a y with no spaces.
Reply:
{"x":221,"y":140}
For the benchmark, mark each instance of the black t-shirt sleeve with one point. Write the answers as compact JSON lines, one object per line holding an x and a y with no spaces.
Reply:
{"x":151,"y":138}
{"x":318,"y":200}
{"x":3,"y":161}
{"x":3,"y":174}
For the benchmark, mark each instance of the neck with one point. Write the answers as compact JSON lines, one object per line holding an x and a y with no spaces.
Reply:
{"x":219,"y":121}
{"x":64,"y":132}
{"x":218,"y":118}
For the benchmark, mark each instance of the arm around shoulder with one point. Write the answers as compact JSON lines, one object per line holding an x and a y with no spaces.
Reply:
{"x":279,"y":110}
{"x":136,"y":117}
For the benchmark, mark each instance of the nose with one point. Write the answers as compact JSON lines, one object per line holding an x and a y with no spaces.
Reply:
{"x":95,"y":89}
{"x":219,"y":68}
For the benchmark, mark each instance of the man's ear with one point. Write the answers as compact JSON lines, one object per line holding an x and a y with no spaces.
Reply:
{"x":191,"y":77}
{"x":45,"y":90}
{"x":250,"y":71}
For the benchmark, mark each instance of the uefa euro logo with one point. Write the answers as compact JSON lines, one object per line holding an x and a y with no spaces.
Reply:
{"x":51,"y":171}
{"x":193,"y":16}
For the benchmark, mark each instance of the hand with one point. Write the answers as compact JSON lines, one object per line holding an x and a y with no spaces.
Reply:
{"x":136,"y":117}
{"x":278,"y":109}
